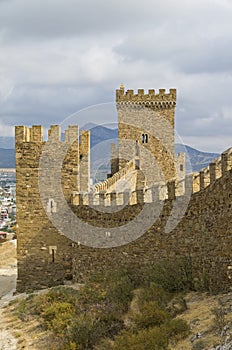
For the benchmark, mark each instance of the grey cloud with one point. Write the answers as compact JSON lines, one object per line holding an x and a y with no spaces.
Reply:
{"x":59,"y":18}
{"x":44,"y":19}
{"x":60,"y":56}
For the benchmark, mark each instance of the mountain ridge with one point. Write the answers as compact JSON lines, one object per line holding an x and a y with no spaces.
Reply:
{"x":100,"y":134}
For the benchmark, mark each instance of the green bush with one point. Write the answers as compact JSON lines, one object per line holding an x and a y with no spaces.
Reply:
{"x":92,"y":317}
{"x":58,"y":317}
{"x":173,"y":276}
{"x":151,"y":315}
{"x":175,"y":330}
{"x":177,"y":305}
{"x":55,"y":295}
{"x":21,"y":310}
{"x":154,"y":292}
{"x":114,"y":290}
{"x":119,"y":287}
{"x":87,"y":332}
{"x":148,"y":339}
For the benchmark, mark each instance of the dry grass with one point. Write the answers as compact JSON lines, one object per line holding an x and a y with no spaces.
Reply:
{"x":201,"y":319}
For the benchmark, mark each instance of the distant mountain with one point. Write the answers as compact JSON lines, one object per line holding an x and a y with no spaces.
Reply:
{"x":7,"y":142}
{"x":99,"y":135}
{"x":7,"y":158}
{"x":197,"y":159}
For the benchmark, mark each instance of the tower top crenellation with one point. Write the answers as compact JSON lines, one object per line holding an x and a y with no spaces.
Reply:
{"x":129,"y":95}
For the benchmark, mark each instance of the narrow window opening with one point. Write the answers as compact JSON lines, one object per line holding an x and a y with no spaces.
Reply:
{"x":144,"y":138}
{"x":181,"y":167}
{"x":136,"y":149}
{"x":53,"y":255}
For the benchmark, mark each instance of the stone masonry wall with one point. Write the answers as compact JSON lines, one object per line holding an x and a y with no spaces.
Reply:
{"x":203,"y":235}
{"x":46,"y":257}
{"x":147,"y":121}
{"x":53,"y":180}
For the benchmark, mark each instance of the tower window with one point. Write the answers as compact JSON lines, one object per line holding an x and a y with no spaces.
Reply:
{"x":53,"y":255}
{"x":136,"y":149}
{"x":144,"y":138}
{"x":181,"y":167}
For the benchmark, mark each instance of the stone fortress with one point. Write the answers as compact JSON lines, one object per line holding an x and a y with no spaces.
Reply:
{"x":191,"y":214}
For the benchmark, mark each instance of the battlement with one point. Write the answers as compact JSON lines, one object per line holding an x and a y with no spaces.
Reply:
{"x":25,"y":134}
{"x":160,"y":192}
{"x":216,"y":169}
{"x":36,"y":134}
{"x":111,"y":181}
{"x":195,"y":210}
{"x":161,"y":99}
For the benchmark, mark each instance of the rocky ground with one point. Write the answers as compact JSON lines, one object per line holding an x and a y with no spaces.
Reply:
{"x":210,"y":320}
{"x":209,"y":317}
{"x":8,"y":273}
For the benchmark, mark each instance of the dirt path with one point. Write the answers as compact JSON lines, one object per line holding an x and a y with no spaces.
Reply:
{"x":8,"y":275}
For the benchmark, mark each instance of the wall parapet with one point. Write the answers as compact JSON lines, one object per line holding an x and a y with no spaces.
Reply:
{"x":111,"y":181}
{"x":160,"y":191}
{"x":216,"y":169}
{"x":36,"y":134}
{"x":151,"y":96}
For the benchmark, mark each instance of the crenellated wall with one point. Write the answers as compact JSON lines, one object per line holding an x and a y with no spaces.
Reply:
{"x":217,"y":168}
{"x":44,"y":257}
{"x":110,"y":183}
{"x":147,"y":120}
{"x":202,"y":234}
{"x":52,"y":181}
{"x":162,"y":99}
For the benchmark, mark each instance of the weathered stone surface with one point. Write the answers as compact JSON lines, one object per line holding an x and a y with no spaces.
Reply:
{"x":46,"y":257}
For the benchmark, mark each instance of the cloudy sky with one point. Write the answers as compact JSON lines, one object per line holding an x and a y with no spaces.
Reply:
{"x":59,"y":56}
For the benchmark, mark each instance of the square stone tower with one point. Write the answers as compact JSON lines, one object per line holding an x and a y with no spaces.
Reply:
{"x":47,"y":172}
{"x":146,"y":132}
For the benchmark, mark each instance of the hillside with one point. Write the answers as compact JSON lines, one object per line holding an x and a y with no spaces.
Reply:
{"x":208,"y":318}
{"x":198,"y":159}
{"x":101,"y":134}
{"x":7,"y":158}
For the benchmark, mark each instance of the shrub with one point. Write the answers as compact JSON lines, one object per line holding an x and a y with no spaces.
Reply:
{"x":87,"y":332}
{"x":58,"y":316}
{"x":173,"y":276}
{"x":151,"y":315}
{"x":175,"y":330}
{"x":149,"y":339}
{"x":92,"y":317}
{"x":119,"y":289}
{"x":153,"y":292}
{"x":58,"y":294}
{"x":114,"y":290}
{"x":22,"y":310}
{"x":176,"y":306}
